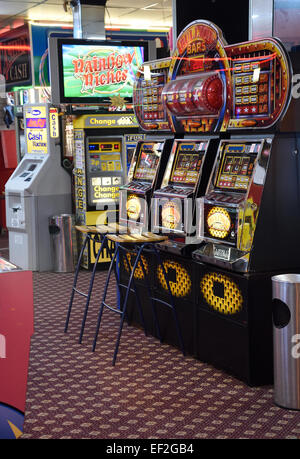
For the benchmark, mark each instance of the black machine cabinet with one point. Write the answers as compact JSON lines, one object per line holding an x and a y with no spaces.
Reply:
{"x":185,"y":179}
{"x":145,"y":175}
{"x":249,"y":211}
{"x":234,"y":323}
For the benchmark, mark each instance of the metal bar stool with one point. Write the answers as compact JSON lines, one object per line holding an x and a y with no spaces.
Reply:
{"x":96,"y":234}
{"x":138,"y":243}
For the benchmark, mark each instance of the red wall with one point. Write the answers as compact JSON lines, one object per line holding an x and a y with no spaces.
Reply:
{"x":8,"y":163}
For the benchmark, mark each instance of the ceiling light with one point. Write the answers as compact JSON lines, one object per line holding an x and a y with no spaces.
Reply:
{"x":149,"y":6}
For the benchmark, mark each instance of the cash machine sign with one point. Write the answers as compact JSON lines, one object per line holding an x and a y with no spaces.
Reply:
{"x":36,"y":130}
{"x":53,"y":116}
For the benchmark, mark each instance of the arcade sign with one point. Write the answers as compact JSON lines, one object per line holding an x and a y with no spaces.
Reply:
{"x":15,"y":57}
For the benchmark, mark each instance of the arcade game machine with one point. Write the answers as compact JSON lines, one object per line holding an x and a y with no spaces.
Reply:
{"x":151,"y":154}
{"x":38,"y":189}
{"x":96,"y":82}
{"x":148,"y":164}
{"x":191,"y":86}
{"x":248,"y":223}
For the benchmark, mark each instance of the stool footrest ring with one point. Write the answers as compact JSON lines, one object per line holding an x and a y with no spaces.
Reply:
{"x":111,"y":308}
{"x":80,"y":293}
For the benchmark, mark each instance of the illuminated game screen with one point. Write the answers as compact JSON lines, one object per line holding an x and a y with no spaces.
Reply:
{"x":147,"y":163}
{"x":236,"y":167}
{"x":187,"y":164}
{"x":103,"y":73}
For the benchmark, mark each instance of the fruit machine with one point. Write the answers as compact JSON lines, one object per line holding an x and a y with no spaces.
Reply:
{"x":147,"y":167}
{"x":184,"y":95}
{"x":151,"y":154}
{"x":185,"y":178}
{"x":242,"y":219}
{"x":148,"y":162}
{"x":131,"y":141}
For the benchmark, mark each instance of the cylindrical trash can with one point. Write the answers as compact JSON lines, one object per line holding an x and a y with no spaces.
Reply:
{"x":286,"y":340}
{"x":61,"y":231}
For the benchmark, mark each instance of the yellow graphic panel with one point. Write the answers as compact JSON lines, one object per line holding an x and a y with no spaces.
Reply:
{"x":181,"y":284}
{"x":218,"y":222}
{"x":129,"y":262}
{"x":221,"y":293}
{"x":133,"y":207}
{"x":171,"y":215}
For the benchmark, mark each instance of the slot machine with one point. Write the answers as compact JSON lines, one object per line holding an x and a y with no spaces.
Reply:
{"x":247,"y":222}
{"x":190,"y":86}
{"x":151,"y":154}
{"x":147,"y":167}
{"x":185,"y":178}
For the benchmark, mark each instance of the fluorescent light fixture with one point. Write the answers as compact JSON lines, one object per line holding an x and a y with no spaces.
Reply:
{"x":149,"y":6}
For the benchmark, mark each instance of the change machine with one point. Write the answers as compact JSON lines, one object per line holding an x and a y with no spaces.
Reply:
{"x":38,"y":189}
{"x":101,"y":143}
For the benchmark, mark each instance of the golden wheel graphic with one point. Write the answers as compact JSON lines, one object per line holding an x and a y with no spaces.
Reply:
{"x":128,"y":263}
{"x":133,"y":207}
{"x":181,"y":285}
{"x":170,"y":215}
{"x":218,"y":222}
{"x":221,"y":293}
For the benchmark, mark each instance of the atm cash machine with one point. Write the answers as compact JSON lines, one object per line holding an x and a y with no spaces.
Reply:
{"x":38,"y":188}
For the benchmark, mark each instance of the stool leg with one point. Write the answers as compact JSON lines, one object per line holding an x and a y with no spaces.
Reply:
{"x":152,"y":301}
{"x":104,"y":297}
{"x":125,"y":305}
{"x":75,"y":281}
{"x":139,"y":305}
{"x":102,"y":246}
{"x":172,"y":302}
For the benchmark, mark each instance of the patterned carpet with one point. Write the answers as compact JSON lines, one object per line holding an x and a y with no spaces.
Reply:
{"x":152,"y":392}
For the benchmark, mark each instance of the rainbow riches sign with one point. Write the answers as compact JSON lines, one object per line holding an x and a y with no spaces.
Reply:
{"x":100,"y":71}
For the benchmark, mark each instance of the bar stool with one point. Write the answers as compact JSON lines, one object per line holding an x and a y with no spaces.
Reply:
{"x":136,"y":244}
{"x":96,"y":234}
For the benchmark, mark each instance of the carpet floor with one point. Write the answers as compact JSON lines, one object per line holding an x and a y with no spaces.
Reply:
{"x":153,"y":392}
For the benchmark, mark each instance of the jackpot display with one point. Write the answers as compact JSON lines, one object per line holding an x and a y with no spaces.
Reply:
{"x":209,"y":86}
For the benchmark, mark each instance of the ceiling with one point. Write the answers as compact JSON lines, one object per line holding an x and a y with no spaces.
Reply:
{"x":140,"y":14}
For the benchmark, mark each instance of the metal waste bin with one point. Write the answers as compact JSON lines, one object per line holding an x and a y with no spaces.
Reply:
{"x":62,"y":239}
{"x":286,"y":340}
